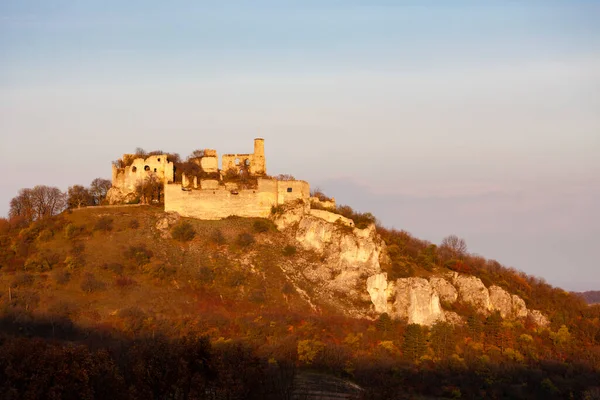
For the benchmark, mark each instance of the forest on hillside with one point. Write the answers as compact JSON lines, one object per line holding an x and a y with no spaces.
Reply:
{"x":99,"y":303}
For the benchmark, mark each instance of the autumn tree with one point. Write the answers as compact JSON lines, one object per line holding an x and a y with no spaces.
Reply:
{"x":98,"y":190}
{"x":453,"y":247}
{"x":415,"y":342}
{"x":78,"y":196}
{"x":150,"y":190}
{"x":39,"y":202}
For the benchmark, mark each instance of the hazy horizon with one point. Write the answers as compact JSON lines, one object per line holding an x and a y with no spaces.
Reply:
{"x":480,"y":120}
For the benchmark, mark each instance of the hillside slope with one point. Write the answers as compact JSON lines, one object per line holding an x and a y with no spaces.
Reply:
{"x":294,"y":297}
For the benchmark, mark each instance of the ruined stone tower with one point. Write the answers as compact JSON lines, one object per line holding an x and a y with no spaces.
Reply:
{"x":259,"y":164}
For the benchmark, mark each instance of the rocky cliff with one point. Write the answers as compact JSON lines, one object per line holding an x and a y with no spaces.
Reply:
{"x":350,"y":259}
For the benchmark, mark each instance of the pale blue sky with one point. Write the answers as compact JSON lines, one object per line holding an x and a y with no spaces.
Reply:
{"x":475,"y":118}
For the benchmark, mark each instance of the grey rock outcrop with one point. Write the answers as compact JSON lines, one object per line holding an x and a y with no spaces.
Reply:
{"x":417,"y":301}
{"x":471,"y":290}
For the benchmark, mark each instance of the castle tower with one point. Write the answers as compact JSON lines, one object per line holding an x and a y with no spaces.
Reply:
{"x":259,"y":163}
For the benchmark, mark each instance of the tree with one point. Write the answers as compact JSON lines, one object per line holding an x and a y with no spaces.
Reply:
{"x":454,"y":246}
{"x":415,"y":342}
{"x":442,"y":339}
{"x":78,"y":196}
{"x":150,"y":190}
{"x":39,"y":202}
{"x":22,"y":206}
{"x":98,"y":189}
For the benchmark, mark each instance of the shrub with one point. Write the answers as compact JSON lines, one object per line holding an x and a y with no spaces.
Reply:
{"x":244,"y":239}
{"x":104,"y":224}
{"x":206,"y":274}
{"x":115,"y":268}
{"x":288,"y":288}
{"x":72,"y":231}
{"x":237,"y":278}
{"x":22,"y":279}
{"x":45,"y":235}
{"x":261,"y":226}
{"x":134,"y":224}
{"x":124,"y":281}
{"x":139,"y":254}
{"x":159,"y":270}
{"x":183,"y":232}
{"x":277,"y":210}
{"x":289,"y":250}
{"x":61,"y":276}
{"x":90,"y":284}
{"x":217,"y":237}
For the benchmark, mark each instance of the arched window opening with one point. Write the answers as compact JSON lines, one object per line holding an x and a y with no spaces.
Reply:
{"x":247,"y":162}
{"x":289,"y":190}
{"x":147,"y":168}
{"x":154,"y":169}
{"x":237,"y":161}
{"x":159,"y":160}
{"x":133,"y":169}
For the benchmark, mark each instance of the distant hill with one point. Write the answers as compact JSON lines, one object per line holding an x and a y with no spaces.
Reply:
{"x":591,"y":296}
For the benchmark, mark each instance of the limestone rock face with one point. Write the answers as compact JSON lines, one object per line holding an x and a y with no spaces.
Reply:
{"x":344,"y":257}
{"x":417,"y":302}
{"x":377,"y":286}
{"x":519,"y":307}
{"x":164,"y":224}
{"x":445,"y":290}
{"x":537,"y":317}
{"x":117,"y":196}
{"x":472,"y":290}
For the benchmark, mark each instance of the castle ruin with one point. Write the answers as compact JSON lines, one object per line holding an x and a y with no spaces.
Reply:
{"x":241,"y":187}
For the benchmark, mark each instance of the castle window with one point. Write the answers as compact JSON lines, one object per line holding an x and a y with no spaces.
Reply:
{"x":146,"y":168}
{"x":159,"y":160}
{"x":154,"y":169}
{"x":289,"y":190}
{"x":247,"y":162}
{"x":237,"y":161}
{"x":133,"y":169}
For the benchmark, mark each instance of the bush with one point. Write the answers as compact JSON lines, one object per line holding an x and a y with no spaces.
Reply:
{"x":115,"y":268}
{"x":217,"y":237}
{"x":61,"y":276}
{"x":22,"y":279}
{"x":104,"y":224}
{"x":244,"y":239}
{"x":206,"y":275}
{"x":139,"y":254}
{"x":159,"y":270}
{"x":90,"y":284}
{"x":183,"y":232}
{"x":289,"y":250}
{"x":261,"y":226}
{"x":124,"y":281}
{"x":134,"y":224}
{"x":72,"y":231}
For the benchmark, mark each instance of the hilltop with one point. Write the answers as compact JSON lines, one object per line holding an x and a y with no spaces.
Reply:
{"x":207,"y":282}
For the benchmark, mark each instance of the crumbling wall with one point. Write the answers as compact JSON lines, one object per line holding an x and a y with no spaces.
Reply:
{"x":288,"y":191}
{"x":215,"y":201}
{"x":220,"y":202}
{"x":126,"y":178}
{"x":254,"y":163}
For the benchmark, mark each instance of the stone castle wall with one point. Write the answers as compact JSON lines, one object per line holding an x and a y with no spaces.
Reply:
{"x":127,"y":178}
{"x":223,"y":201}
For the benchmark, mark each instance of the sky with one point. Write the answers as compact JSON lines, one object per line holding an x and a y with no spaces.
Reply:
{"x":480,"y":119}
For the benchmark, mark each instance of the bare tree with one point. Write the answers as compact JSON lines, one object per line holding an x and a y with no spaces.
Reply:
{"x":455,"y":246}
{"x":79,"y":196}
{"x":98,"y":189}
{"x":150,"y":190}
{"x":39,"y":202}
{"x":22,"y":206}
